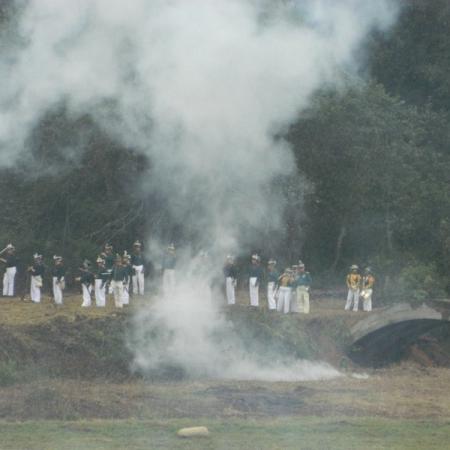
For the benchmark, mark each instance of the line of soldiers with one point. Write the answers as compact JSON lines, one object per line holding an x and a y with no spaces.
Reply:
{"x":287,"y":291}
{"x":113,"y":274}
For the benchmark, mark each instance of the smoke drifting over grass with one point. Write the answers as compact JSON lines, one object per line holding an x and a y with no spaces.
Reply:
{"x":201,"y":87}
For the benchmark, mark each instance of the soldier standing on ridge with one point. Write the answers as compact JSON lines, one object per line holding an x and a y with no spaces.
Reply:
{"x":303,"y":283}
{"x":294,"y":303}
{"x":368,"y":280}
{"x":119,"y":279}
{"x":285,"y":282}
{"x":230,"y":273}
{"x":353,"y":284}
{"x":137,"y":262}
{"x":87,"y":283}
{"x":108,"y":256}
{"x":10,"y":261}
{"x":58,"y":276}
{"x":37,"y":271}
{"x":102,"y":278}
{"x":168,"y":269}
{"x":255,"y":275}
{"x":272,"y":280}
{"x":129,"y":272}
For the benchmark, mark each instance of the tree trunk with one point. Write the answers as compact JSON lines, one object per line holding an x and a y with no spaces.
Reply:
{"x":339,"y":242}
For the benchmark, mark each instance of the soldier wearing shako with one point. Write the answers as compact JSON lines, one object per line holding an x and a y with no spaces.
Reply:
{"x":87,"y":280}
{"x":368,"y":281}
{"x":230,"y":273}
{"x":138,"y":264}
{"x":37,"y":271}
{"x":109,"y":258}
{"x":10,"y":261}
{"x":255,"y":276}
{"x":168,"y":270}
{"x":126,"y":262}
{"x":303,"y":283}
{"x":354,"y":285}
{"x":58,"y":276}
{"x":119,"y":279}
{"x":272,"y":276}
{"x":102,"y":280}
{"x":285,"y":283}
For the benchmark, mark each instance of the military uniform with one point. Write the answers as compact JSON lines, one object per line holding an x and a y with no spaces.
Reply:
{"x":168,"y":267}
{"x":126,"y":285}
{"x":37,"y":271}
{"x":102,"y":278}
{"x":10,"y":261}
{"x":58,"y":276}
{"x":119,"y":277}
{"x":303,"y":283}
{"x":87,"y":280}
{"x":285,"y":282}
{"x":354,"y":285}
{"x":272,"y":280}
{"x":230,"y":273}
{"x":255,"y":276}
{"x":137,"y":262}
{"x":368,"y":281}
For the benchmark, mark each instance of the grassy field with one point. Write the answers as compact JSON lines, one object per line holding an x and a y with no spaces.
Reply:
{"x":51,"y":399}
{"x":304,"y":433}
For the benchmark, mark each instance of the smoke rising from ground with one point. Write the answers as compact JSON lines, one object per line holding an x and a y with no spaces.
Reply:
{"x":202,"y":88}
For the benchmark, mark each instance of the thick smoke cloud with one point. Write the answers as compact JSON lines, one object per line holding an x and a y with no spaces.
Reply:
{"x":201,"y":87}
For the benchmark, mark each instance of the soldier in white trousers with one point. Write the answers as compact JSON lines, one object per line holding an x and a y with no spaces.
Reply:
{"x":255,"y":275}
{"x":367,"y":283}
{"x":272,"y":281}
{"x":36,"y":271}
{"x":126,"y":262}
{"x":58,"y":276}
{"x":302,"y":284}
{"x":87,"y":283}
{"x":119,"y":278}
{"x":230,"y":273}
{"x":10,"y":261}
{"x":102,"y":278}
{"x":168,"y":269}
{"x":353,"y":284}
{"x":137,"y":262}
{"x":285,"y":282}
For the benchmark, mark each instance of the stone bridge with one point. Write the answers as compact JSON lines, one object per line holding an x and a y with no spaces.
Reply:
{"x":383,"y":335}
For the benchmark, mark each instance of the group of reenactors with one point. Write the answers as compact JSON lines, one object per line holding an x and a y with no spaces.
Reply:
{"x":112,"y":274}
{"x":122,"y":274}
{"x":286,"y":291}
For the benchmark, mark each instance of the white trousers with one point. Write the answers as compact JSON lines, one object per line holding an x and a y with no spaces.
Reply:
{"x":254,"y":291}
{"x":366,"y":295}
{"x":138,"y":280}
{"x":117,"y":287}
{"x":57,"y":291}
{"x":35,"y":288}
{"x":168,"y":281}
{"x":284,"y":299}
{"x":303,"y":299}
{"x":126,"y":293}
{"x":352,"y":297}
{"x":272,"y":303}
{"x":86,"y":295}
{"x":100,"y":293}
{"x":230,"y":285}
{"x":8,"y":281}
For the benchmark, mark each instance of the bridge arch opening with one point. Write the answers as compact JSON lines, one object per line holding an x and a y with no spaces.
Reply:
{"x":426,"y":341}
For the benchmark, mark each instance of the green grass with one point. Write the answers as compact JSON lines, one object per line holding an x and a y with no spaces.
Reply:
{"x":299,"y":433}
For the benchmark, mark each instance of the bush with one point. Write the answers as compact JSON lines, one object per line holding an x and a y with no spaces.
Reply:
{"x":418,"y":282}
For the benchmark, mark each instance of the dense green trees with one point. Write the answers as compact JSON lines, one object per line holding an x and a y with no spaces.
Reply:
{"x":376,"y":156}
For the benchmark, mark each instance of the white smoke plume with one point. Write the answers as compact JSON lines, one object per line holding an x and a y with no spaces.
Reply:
{"x":204,"y":88}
